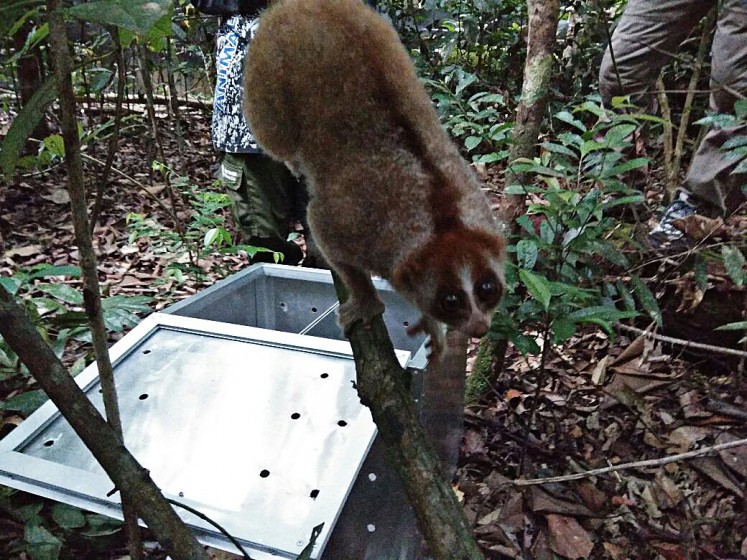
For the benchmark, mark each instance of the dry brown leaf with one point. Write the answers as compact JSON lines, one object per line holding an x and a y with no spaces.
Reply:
{"x":567,"y":537}
{"x":734,"y":458}
{"x":713,"y":469}
{"x":58,"y":196}
{"x":25,"y":251}
{"x":667,"y":492}
{"x":542,"y":502}
{"x":670,"y":551}
{"x":684,"y":438}
{"x":697,"y":227}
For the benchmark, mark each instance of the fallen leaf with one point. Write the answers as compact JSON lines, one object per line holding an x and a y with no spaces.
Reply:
{"x":734,"y":458}
{"x":712,"y":468}
{"x":697,"y":227}
{"x":670,"y":551}
{"x":667,"y":492}
{"x":25,"y":251}
{"x":567,"y":537}
{"x":599,"y":373}
{"x":58,"y":196}
{"x":542,"y":502}
{"x":684,"y":438}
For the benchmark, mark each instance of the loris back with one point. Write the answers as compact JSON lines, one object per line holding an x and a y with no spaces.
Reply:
{"x":331,"y":91}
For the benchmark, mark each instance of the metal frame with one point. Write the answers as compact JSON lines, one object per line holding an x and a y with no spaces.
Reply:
{"x":26,"y":457}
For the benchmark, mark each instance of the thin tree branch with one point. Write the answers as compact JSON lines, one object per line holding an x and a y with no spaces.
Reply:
{"x":129,"y":477}
{"x":685,"y":343}
{"x":634,"y":465}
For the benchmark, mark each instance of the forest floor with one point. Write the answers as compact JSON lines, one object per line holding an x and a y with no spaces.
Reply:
{"x":599,"y":402}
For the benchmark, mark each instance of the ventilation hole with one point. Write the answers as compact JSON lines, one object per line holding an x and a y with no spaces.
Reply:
{"x":325,"y":375}
{"x":264,"y":473}
{"x":295,"y":416}
{"x":49,"y":443}
{"x":143,"y":396}
{"x":313,"y":309}
{"x":146,"y":351}
{"x":314,"y":494}
{"x":283,"y":306}
{"x":406,"y":323}
{"x":372,"y":477}
{"x":342,"y":423}
{"x":371,"y":528}
{"x":181,"y":494}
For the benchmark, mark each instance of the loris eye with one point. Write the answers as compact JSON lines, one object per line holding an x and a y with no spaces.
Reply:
{"x":487,"y":290}
{"x":451,"y":302}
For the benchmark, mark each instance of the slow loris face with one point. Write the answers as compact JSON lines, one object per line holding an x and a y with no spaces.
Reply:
{"x":457,"y":279}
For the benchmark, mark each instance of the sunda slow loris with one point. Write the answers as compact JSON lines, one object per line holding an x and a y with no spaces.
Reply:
{"x":330,"y":90}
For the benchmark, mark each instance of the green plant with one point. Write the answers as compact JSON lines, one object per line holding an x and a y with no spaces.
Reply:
{"x":568,"y":247}
{"x":480,"y":120}
{"x":56,"y":310}
{"x":202,"y":234}
{"x":56,"y":530}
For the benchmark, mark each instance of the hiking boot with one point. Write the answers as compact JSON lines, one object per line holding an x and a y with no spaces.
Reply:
{"x":666,"y":234}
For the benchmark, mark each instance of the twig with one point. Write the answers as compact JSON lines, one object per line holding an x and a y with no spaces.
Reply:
{"x":685,"y":343}
{"x":634,"y":465}
{"x":135,"y":182}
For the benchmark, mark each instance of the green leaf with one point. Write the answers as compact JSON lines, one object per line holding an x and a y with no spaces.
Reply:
{"x":48,"y":270}
{"x":42,"y":545}
{"x":738,"y":326}
{"x":618,"y":135}
{"x":734,"y":264}
{"x":625,"y":296}
{"x":471,"y":142}
{"x":563,"y":329}
{"x":600,"y":313}
{"x":526,"y":253}
{"x":25,"y":403}
{"x":620,"y":169}
{"x":68,"y":517}
{"x":55,"y":144}
{"x":100,"y":526}
{"x":23,"y":125}
{"x":646,"y":298}
{"x":139,"y":16}
{"x":538,"y":286}
{"x":63,"y":292}
{"x":567,"y":117}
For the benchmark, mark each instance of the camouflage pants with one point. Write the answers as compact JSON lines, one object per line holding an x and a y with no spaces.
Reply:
{"x":265,"y":196}
{"x":647,"y":35}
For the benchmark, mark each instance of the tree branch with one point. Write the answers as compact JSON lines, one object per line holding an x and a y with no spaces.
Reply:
{"x":382,"y":386}
{"x":130,"y":478}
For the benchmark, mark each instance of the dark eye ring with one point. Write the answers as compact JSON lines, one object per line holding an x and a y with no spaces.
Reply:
{"x":487,"y":289}
{"x":450,"y":302}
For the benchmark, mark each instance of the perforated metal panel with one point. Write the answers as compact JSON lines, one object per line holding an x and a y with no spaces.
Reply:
{"x":261,"y":431}
{"x":252,"y":424}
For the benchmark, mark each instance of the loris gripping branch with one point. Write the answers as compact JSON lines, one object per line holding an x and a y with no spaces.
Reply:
{"x":331,"y":91}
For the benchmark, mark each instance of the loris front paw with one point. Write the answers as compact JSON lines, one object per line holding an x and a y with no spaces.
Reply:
{"x":358,"y":309}
{"x":435,"y":330}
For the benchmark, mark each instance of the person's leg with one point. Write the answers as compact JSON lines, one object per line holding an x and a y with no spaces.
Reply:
{"x":714,"y":188}
{"x":260,"y":192}
{"x":648,"y":33}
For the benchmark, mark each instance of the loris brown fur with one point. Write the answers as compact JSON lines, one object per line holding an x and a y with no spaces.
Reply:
{"x":330,"y":90}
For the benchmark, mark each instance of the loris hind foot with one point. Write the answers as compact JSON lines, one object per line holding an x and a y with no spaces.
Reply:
{"x":359,"y":309}
{"x":363,"y":304}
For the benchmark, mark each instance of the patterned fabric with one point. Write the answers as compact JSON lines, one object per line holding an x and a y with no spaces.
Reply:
{"x":230,"y":132}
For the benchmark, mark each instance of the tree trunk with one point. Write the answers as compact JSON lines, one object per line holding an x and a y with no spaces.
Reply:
{"x":383,"y":387}
{"x":543,"y":27}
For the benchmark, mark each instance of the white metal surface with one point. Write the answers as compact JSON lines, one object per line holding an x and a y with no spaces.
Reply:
{"x":260,"y":430}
